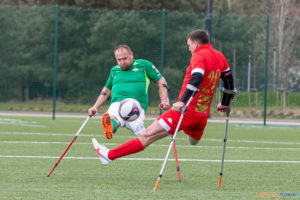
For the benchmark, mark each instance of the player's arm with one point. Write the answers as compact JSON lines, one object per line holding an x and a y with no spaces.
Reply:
{"x":161,"y":82}
{"x":191,"y":87}
{"x":228,"y":90}
{"x":103,"y":96}
{"x":163,"y":93}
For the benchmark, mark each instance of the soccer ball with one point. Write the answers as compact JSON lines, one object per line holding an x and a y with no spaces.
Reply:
{"x":129,"y":109}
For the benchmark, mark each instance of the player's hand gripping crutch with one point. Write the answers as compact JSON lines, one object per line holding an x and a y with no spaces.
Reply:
{"x":65,"y":151}
{"x":183,"y":110}
{"x":227,"y":110}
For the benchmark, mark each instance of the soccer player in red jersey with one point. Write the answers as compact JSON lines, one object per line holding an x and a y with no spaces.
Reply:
{"x":207,"y":67}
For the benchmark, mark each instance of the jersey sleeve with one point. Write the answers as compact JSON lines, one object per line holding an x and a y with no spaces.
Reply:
{"x":109,"y":80}
{"x":225,"y":64}
{"x":152,"y":72}
{"x":197,"y":63}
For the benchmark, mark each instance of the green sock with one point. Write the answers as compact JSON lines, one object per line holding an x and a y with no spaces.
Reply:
{"x":115,"y":125}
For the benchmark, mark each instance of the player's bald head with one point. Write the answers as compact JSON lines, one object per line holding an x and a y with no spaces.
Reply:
{"x":122,"y":47}
{"x":124,"y":56}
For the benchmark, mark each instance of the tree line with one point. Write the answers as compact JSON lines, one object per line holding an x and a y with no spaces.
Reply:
{"x":87,"y":37}
{"x":197,"y":6}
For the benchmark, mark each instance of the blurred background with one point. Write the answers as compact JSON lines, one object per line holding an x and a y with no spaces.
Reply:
{"x":59,"y":53}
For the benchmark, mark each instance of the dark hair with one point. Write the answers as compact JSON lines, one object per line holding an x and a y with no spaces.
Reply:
{"x":122,"y":46}
{"x":199,"y":35}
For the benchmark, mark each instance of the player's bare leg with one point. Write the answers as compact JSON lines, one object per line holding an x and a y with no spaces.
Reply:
{"x":154,"y":132}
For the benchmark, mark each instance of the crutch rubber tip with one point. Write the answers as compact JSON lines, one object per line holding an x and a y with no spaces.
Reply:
{"x":220,"y":180}
{"x":156,"y":185}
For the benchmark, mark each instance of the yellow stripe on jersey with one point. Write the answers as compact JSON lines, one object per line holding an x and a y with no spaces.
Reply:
{"x":147,"y":82}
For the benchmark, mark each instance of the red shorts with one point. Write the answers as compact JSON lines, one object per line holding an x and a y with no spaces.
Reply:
{"x":192,"y":124}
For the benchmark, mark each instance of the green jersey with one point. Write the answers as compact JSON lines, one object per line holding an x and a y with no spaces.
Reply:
{"x":133,"y":82}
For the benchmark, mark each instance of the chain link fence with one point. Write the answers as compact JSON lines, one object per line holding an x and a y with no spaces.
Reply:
{"x":86,"y":39}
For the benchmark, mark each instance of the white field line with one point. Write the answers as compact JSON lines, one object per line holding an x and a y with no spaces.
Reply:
{"x":19,"y":122}
{"x":254,"y":122}
{"x":130,"y":137}
{"x":155,"y":145}
{"x":148,"y":117}
{"x":156,"y":159}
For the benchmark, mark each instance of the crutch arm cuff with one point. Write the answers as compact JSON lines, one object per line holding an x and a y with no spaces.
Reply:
{"x":228,"y":96}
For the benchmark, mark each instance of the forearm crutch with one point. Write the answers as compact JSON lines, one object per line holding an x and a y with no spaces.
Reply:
{"x":176,"y":157}
{"x":183,"y":110}
{"x":224,"y":145}
{"x":65,"y":151}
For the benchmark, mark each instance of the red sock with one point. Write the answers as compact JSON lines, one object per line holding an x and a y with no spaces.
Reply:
{"x":127,"y":148}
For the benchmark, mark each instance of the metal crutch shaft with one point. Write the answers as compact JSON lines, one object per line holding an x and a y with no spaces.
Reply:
{"x":177,"y":163}
{"x":224,"y":146}
{"x":183,"y":110}
{"x":65,"y":151}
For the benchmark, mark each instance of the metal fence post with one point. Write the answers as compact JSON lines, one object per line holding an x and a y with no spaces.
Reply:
{"x":162,"y":52}
{"x":274,"y":69}
{"x":55,"y":59}
{"x":266,"y":69}
{"x":208,"y":21}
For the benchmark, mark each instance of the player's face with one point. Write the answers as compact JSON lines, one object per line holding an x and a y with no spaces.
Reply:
{"x":124,"y":58}
{"x":193,"y":45}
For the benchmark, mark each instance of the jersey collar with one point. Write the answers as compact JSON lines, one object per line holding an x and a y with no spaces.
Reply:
{"x":204,"y":46}
{"x":133,"y":61}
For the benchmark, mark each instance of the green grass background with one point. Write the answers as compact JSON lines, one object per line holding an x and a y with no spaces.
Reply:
{"x":25,"y":178}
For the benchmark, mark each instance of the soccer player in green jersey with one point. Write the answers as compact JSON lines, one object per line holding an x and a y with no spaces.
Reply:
{"x":129,"y":79}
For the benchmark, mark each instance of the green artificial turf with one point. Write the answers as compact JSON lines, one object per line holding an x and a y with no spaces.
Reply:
{"x":30,"y":146}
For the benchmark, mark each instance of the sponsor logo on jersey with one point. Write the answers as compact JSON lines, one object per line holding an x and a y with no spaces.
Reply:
{"x":170,"y":120}
{"x":155,"y":68}
{"x":135,"y":69}
{"x":158,"y":74}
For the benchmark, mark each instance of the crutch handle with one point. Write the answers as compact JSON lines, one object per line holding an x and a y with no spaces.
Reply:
{"x":227,"y":110}
{"x":93,"y":114}
{"x":183,"y":110}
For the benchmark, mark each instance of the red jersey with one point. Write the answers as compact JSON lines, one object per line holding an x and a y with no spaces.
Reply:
{"x":212,"y":63}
